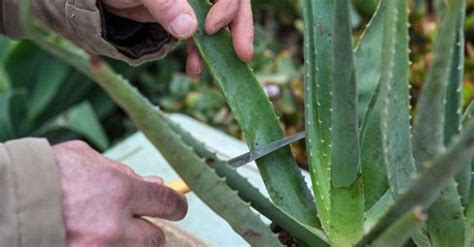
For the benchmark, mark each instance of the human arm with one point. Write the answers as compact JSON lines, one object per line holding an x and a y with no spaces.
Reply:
{"x":71,"y":194}
{"x":136,"y":31}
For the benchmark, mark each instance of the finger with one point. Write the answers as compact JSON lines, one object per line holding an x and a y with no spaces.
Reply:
{"x":242,"y":29}
{"x":142,"y":233}
{"x":151,"y":199}
{"x":154,"y":179}
{"x":221,"y":15}
{"x":139,"y":14}
{"x":176,"y":16}
{"x":194,"y":63}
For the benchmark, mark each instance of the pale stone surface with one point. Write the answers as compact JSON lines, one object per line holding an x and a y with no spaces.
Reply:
{"x":177,"y":237}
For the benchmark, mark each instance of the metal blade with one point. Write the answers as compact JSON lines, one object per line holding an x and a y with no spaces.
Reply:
{"x":264,"y":150}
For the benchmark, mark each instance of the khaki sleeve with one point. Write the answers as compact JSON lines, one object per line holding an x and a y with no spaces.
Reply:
{"x":88,"y":25}
{"x":30,"y":204}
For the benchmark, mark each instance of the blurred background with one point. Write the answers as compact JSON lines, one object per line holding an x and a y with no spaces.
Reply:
{"x":41,"y":96}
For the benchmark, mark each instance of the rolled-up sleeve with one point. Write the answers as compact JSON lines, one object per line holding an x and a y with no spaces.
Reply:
{"x":88,"y":25}
{"x":30,"y":205}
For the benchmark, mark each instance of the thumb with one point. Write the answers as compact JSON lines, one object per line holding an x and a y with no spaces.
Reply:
{"x":176,"y":16}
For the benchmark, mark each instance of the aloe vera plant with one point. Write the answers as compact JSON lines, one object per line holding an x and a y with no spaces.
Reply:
{"x":373,"y":182}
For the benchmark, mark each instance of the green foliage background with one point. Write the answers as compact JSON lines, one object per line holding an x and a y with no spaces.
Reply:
{"x":42,"y":96}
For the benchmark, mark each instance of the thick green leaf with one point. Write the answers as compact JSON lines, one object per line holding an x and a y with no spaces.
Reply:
{"x":318,"y":67}
{"x":428,"y":184}
{"x":469,"y":215}
{"x":428,"y":140}
{"x":395,"y":105}
{"x":378,"y":210}
{"x":307,"y":234}
{"x":12,"y":103}
{"x":454,"y":89}
{"x":205,"y":182}
{"x":368,"y":59}
{"x":374,"y":172}
{"x":4,"y":43}
{"x":74,"y":90}
{"x":46,"y":86}
{"x":26,"y":68}
{"x":81,"y":120}
{"x":429,"y":120}
{"x":333,"y":198}
{"x":347,"y":192}
{"x":469,"y":234}
{"x":257,"y":119}
{"x":345,"y":167}
{"x":468,"y":113}
{"x":400,"y":231}
{"x":331,"y":119}
{"x":454,"y":104}
{"x":24,"y":63}
{"x":4,"y":82}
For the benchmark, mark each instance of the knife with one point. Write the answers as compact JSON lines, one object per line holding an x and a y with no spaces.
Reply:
{"x":241,"y":160}
{"x":264,"y":150}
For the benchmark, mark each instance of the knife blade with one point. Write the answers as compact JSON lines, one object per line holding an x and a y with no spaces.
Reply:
{"x":241,"y":160}
{"x":264,"y":150}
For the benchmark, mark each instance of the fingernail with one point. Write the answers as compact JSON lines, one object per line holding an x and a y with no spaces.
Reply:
{"x":250,"y":54}
{"x":252,"y":50}
{"x":183,"y":26}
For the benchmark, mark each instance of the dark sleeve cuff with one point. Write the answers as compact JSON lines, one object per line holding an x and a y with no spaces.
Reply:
{"x":2,"y":29}
{"x":134,"y":39}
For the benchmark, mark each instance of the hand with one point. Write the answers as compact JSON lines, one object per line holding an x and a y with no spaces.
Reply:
{"x":179,"y":19}
{"x":104,"y":200}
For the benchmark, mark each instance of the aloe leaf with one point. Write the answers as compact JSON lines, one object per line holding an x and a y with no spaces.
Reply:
{"x":368,"y":59}
{"x":11,"y":102}
{"x":205,"y":183}
{"x":318,"y":68}
{"x":82,"y":120}
{"x":347,"y":192}
{"x":427,"y":186}
{"x":454,"y":104}
{"x":4,"y":43}
{"x":378,"y":210}
{"x":454,"y":90}
{"x":374,"y":172}
{"x":345,"y":143}
{"x":4,"y":80}
{"x":469,"y":234}
{"x":26,"y":68}
{"x":428,"y":140}
{"x":400,"y":231}
{"x":307,"y":234}
{"x":395,"y":105}
{"x":334,"y":185}
{"x":203,"y":180}
{"x":429,"y":120}
{"x":468,"y":113}
{"x":257,"y":119}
